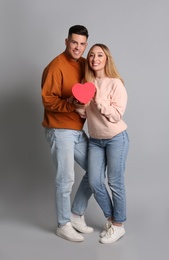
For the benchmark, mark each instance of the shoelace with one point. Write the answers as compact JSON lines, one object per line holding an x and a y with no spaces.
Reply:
{"x":110,"y":232}
{"x":107,"y":226}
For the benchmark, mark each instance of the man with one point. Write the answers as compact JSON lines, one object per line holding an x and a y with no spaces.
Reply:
{"x":63,"y":130}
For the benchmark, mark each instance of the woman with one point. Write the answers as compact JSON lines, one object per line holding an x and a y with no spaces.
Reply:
{"x":109,"y":142}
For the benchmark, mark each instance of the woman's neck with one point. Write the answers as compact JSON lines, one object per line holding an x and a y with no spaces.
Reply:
{"x":100,"y":74}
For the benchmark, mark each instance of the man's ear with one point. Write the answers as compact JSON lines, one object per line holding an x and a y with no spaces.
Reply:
{"x":66,"y":42}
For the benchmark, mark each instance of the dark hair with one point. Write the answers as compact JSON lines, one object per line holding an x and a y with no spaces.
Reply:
{"x":78,"y":29}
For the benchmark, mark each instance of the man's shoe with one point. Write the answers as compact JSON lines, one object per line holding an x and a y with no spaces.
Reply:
{"x":78,"y":222}
{"x":106,"y":228}
{"x":113,"y":234}
{"x":69,"y":233}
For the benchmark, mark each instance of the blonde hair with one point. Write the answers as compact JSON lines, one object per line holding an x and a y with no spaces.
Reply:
{"x":110,"y":68}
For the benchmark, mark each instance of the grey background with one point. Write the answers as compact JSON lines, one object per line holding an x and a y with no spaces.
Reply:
{"x":31,"y":34}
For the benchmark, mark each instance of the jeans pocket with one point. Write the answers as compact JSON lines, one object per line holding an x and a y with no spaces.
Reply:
{"x":127,"y":136}
{"x":49,"y":134}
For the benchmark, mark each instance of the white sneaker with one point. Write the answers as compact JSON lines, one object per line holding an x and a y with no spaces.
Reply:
{"x":113,"y":234}
{"x":79,"y":224}
{"x":106,"y":228}
{"x":69,"y":233}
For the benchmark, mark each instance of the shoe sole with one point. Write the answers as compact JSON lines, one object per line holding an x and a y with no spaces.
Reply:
{"x":82,"y":231}
{"x":70,"y":239}
{"x":112,"y":241}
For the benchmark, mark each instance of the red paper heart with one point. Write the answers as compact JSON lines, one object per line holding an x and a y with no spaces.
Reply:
{"x":83,"y":92}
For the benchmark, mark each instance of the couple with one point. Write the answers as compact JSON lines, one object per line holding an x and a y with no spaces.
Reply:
{"x":103,"y":154}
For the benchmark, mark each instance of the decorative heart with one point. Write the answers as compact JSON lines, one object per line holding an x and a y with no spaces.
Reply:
{"x":84,"y":92}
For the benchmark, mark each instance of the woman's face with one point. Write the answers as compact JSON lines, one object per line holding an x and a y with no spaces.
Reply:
{"x":97,"y":59}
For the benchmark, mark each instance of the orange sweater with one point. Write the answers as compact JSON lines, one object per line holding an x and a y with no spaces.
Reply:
{"x":57,"y":81}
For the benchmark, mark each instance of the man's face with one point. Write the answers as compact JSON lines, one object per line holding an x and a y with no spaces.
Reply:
{"x":75,"y":46}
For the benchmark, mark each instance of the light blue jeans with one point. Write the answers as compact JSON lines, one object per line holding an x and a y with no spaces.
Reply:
{"x":66,"y":146}
{"x":109,"y":156}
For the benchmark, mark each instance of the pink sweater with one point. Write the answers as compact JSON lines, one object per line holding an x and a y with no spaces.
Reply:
{"x":105,"y":112}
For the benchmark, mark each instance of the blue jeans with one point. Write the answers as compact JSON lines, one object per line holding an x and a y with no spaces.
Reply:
{"x":109,"y":156}
{"x":66,"y":146}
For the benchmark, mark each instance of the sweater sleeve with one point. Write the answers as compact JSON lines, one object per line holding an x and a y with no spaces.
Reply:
{"x":113,"y":107}
{"x":51,"y":94}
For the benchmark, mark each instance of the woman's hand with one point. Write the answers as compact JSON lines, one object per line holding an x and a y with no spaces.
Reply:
{"x":70,"y":99}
